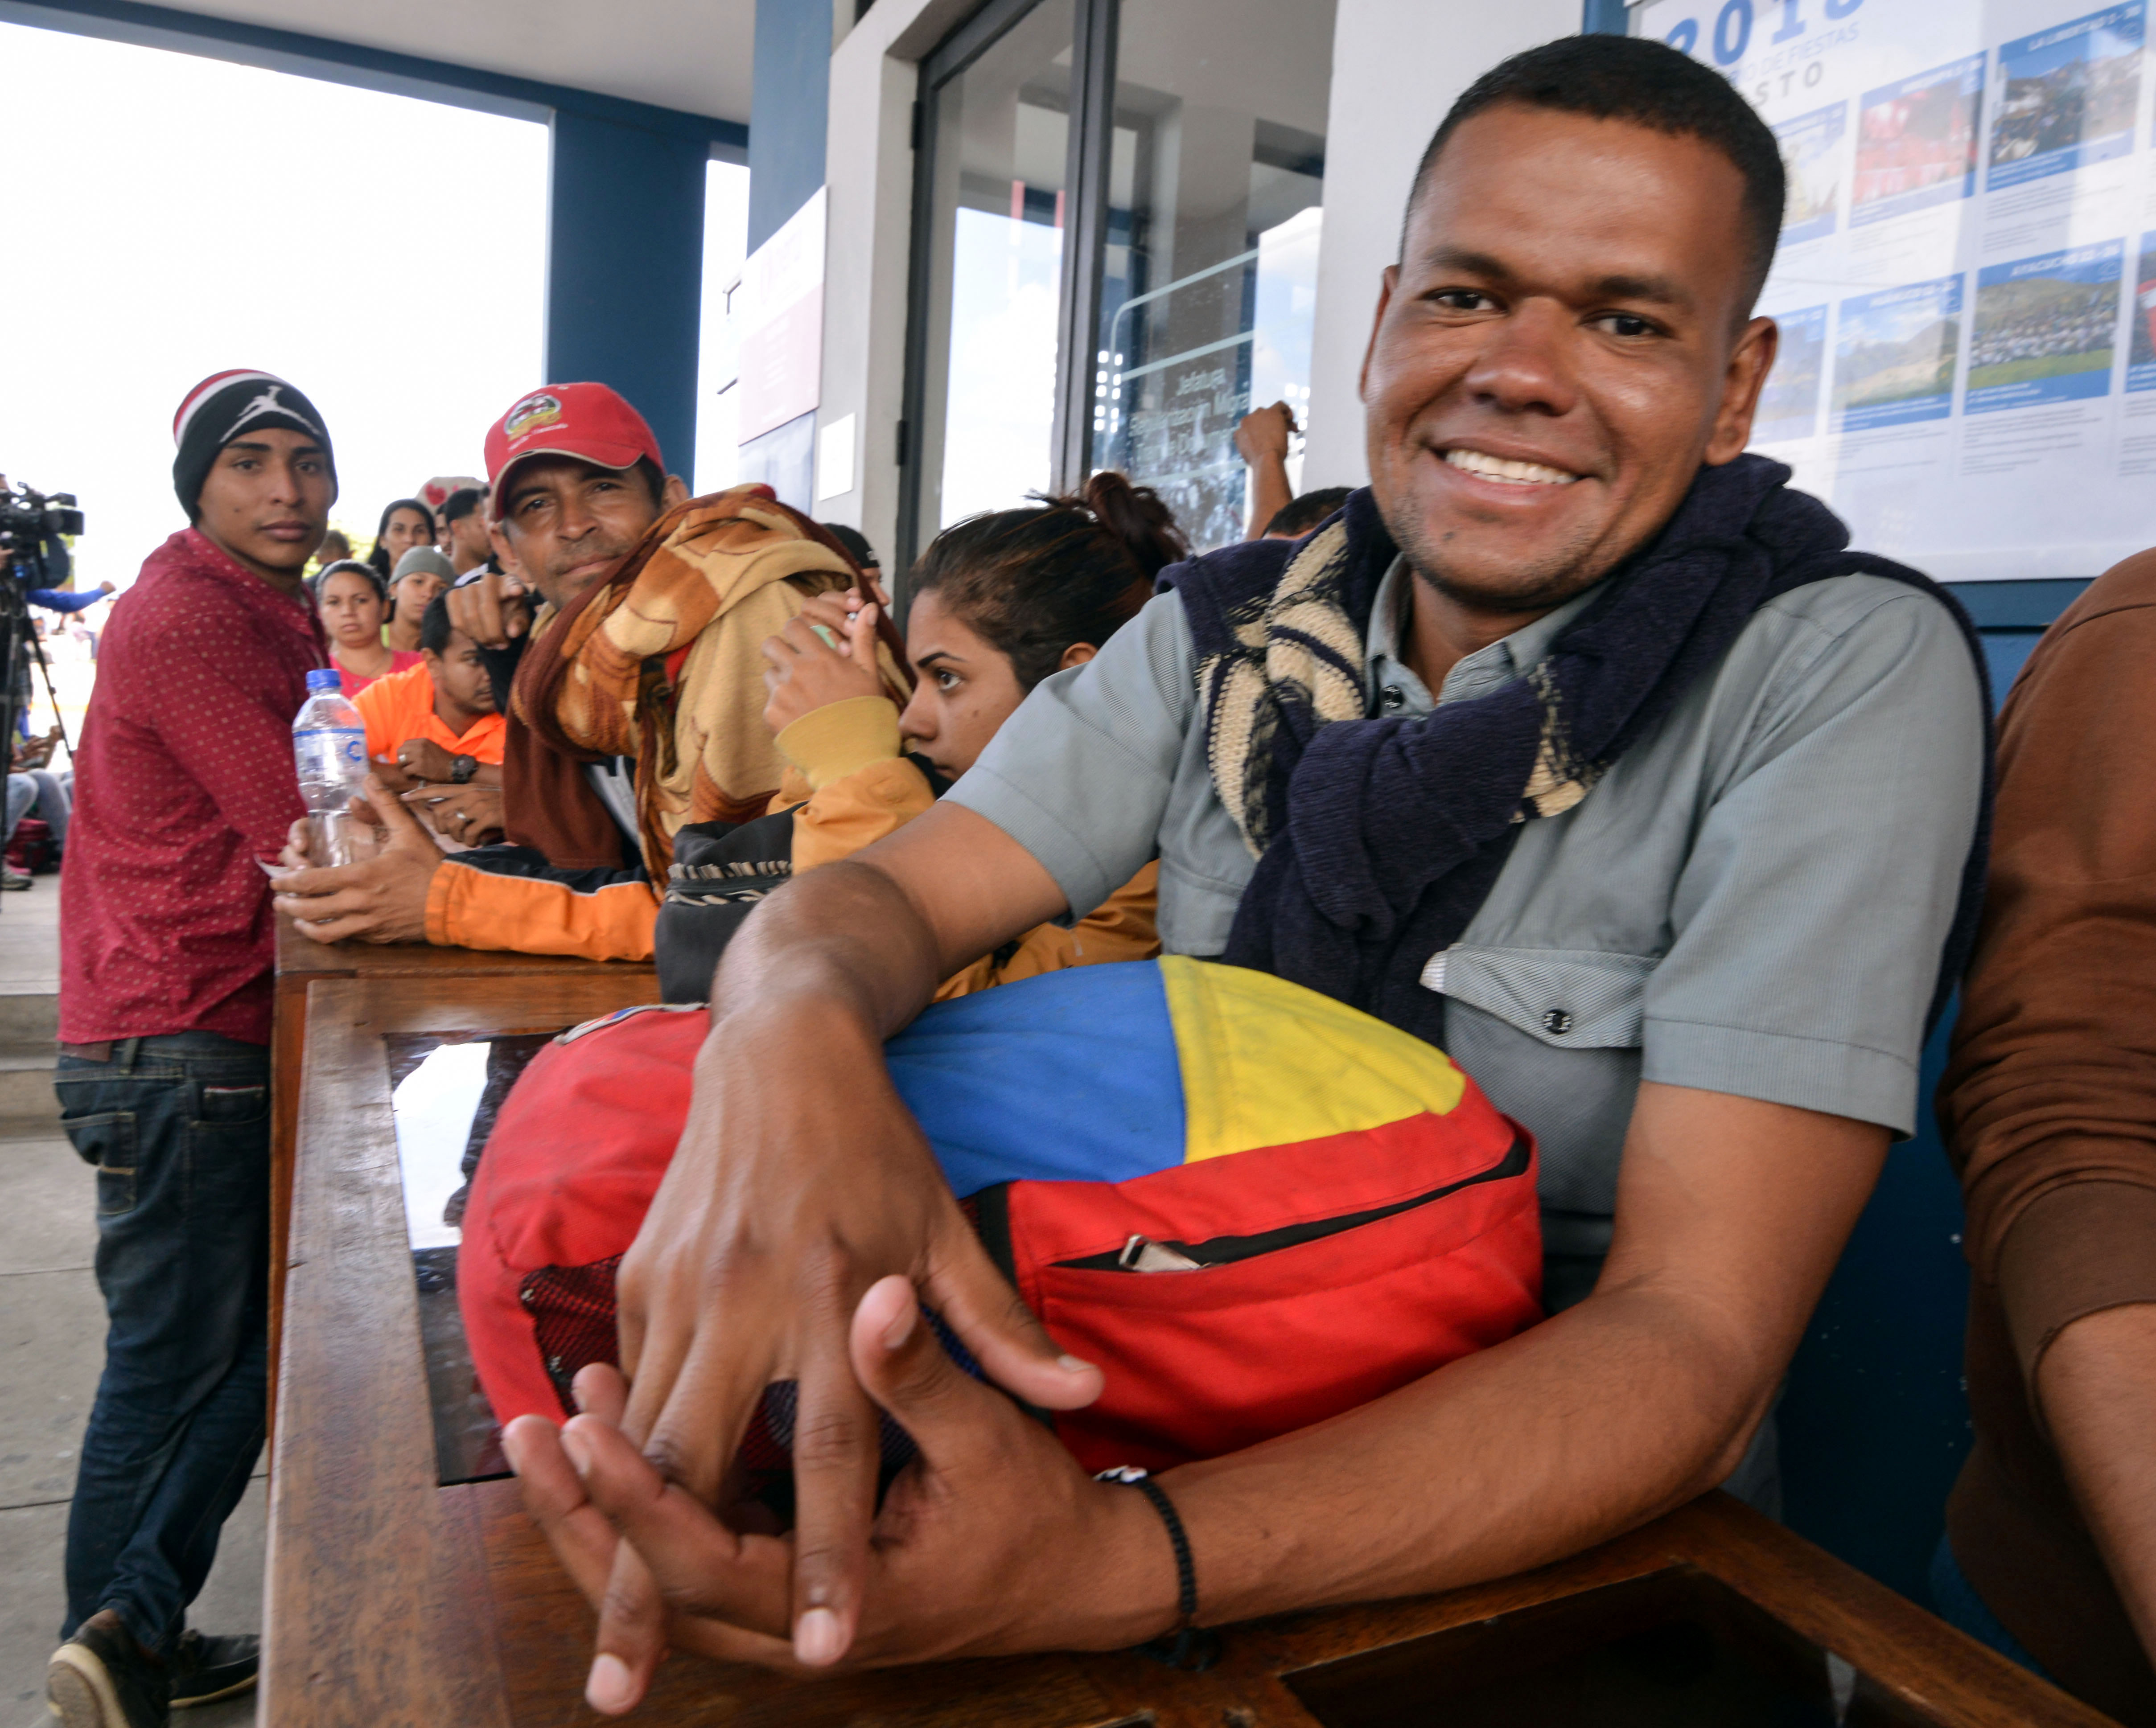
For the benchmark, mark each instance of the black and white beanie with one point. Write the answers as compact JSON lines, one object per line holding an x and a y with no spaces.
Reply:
{"x":226,"y":404}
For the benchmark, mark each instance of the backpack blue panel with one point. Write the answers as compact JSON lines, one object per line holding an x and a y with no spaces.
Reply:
{"x":1069,"y":1077}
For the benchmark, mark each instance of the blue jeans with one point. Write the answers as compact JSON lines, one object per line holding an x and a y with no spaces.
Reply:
{"x":178,"y":1127}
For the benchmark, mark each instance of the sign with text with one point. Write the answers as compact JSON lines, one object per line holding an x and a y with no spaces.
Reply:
{"x":1966,"y":285}
{"x":780,"y":308}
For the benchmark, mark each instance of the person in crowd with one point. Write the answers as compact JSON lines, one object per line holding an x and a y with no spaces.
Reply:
{"x":465,"y":539}
{"x":405,"y":524}
{"x":183,"y":778}
{"x":1261,"y":440}
{"x":631,"y":573}
{"x":33,"y":789}
{"x":1299,"y":515}
{"x":335,"y":549}
{"x":857,"y":547}
{"x":68,"y":601}
{"x":436,"y":491}
{"x":2049,"y":1104}
{"x":1565,"y":748}
{"x":353,"y":602}
{"x":421,"y":574}
{"x":439,"y":723}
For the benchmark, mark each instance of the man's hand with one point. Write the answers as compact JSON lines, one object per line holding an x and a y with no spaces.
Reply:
{"x":424,"y":759}
{"x":807,"y":672}
{"x":383,"y":900}
{"x":1262,"y":435}
{"x":492,"y":610}
{"x":469,"y":814}
{"x":955,"y":1566}
{"x":783,"y":1205}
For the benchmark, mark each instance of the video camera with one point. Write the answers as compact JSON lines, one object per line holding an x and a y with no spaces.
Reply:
{"x":34,"y":530}
{"x":30,"y":520}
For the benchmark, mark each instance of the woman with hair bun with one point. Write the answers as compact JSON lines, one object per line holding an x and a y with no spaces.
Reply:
{"x":999,"y":602}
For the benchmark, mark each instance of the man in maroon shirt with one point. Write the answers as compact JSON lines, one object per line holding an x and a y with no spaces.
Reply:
{"x":183,"y":779}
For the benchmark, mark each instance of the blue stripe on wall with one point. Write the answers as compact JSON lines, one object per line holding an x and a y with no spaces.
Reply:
{"x":625,"y":270}
{"x":792,"y":102}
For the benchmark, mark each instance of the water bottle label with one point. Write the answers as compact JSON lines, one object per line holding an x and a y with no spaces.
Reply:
{"x":331,"y":753}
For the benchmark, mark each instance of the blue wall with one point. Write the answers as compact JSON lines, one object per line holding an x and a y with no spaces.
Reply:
{"x":792,"y":102}
{"x":1875,"y":1423}
{"x":625,"y":270}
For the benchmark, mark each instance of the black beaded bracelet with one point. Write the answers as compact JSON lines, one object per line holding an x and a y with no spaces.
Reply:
{"x":1190,"y":1647}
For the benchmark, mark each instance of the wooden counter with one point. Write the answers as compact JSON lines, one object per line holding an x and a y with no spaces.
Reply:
{"x":392,"y":1600}
{"x":301,"y":962}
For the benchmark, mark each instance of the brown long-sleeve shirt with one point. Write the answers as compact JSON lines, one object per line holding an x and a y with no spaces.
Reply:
{"x":2048,"y":1107}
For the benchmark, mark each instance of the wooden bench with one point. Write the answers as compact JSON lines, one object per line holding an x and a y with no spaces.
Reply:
{"x":394,"y":1600}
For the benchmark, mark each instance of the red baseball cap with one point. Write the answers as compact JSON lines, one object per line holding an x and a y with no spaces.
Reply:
{"x":589,"y":422}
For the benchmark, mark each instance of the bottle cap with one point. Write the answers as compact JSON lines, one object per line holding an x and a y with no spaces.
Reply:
{"x":322,"y":678}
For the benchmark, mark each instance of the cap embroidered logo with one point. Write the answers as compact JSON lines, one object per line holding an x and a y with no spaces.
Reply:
{"x":531,"y":413}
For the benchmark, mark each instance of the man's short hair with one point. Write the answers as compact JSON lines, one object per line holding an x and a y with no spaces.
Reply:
{"x":435,"y":628}
{"x":1299,"y":515}
{"x":1646,"y":84}
{"x":461,"y":503}
{"x":655,"y":479}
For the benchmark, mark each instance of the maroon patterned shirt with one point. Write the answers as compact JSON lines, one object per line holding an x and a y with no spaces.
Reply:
{"x":184,"y":774}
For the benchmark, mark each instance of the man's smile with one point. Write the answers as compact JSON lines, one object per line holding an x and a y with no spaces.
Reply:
{"x":1506,"y":470}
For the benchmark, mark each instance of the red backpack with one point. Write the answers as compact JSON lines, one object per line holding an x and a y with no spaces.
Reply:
{"x":1253,"y":1207}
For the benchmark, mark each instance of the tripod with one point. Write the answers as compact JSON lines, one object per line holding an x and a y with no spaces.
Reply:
{"x":19,"y":647}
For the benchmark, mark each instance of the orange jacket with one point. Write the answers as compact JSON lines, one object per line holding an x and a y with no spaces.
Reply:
{"x":400,"y":706}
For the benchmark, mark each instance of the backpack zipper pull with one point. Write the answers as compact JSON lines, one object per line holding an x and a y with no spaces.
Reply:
{"x":1140,"y":1255}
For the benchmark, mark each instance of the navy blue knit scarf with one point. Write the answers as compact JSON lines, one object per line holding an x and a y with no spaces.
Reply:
{"x":1378,"y":838}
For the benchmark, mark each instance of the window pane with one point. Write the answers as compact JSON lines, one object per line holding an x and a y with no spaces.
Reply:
{"x":1001,"y":144}
{"x":1216,"y":175}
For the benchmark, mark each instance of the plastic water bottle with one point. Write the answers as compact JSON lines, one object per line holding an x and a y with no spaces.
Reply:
{"x":329,"y":749}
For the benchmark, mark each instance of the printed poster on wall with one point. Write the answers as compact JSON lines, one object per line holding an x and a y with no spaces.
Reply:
{"x":1966,"y":285}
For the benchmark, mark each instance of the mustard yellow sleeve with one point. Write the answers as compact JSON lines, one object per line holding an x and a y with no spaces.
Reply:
{"x":857,"y":811}
{"x":528,"y":914}
{"x":1122,"y":928}
{"x":841,"y":738}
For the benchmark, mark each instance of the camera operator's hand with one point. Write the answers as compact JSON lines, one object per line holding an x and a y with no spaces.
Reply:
{"x":493,"y":611}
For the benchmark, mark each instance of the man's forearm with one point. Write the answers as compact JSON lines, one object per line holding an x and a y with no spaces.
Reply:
{"x":1730,"y":1213}
{"x":1506,"y":1459}
{"x":846,"y":938}
{"x":2097,"y":1386}
{"x":1270,"y":493}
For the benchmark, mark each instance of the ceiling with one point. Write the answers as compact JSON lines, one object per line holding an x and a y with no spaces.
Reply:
{"x":691,"y":55}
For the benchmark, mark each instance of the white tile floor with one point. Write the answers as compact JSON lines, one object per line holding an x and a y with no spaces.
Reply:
{"x":52,"y":1330}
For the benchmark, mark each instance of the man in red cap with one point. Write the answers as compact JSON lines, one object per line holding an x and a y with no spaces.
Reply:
{"x":183,"y":778}
{"x":581,"y":501}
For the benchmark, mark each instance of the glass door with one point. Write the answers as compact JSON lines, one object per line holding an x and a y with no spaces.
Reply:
{"x":992,"y":212}
{"x":1117,"y":213}
{"x":1210,"y":271}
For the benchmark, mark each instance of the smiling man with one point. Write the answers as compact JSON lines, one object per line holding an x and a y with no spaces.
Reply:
{"x":1578,"y":745}
{"x":182,"y":779}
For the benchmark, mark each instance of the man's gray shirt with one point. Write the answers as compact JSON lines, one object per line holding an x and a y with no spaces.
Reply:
{"x":1752,"y":900}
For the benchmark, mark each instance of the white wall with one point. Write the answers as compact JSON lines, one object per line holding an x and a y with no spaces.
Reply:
{"x":1397,"y":66}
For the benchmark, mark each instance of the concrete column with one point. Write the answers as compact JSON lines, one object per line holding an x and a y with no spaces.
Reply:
{"x":625,"y":270}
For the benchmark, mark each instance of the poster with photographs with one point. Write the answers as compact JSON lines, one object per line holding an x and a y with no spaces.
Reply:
{"x":1966,"y":283}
